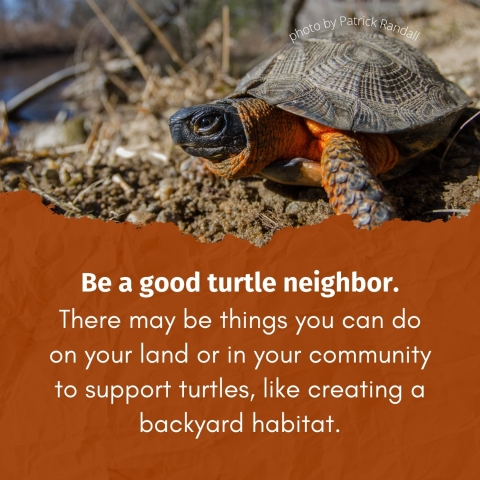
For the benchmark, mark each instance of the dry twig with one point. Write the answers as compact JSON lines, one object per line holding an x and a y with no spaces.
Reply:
{"x":38,"y":88}
{"x":11,"y":160}
{"x":33,"y":180}
{"x":158,"y":33}
{"x":85,"y":190}
{"x":121,"y":85}
{"x":122,"y":41}
{"x":95,"y":157}
{"x":455,"y":136}
{"x":5,"y":134}
{"x":64,"y":206}
{"x":112,"y":114}
{"x":127,"y":189}
{"x":93,"y":135}
{"x":225,"y":39}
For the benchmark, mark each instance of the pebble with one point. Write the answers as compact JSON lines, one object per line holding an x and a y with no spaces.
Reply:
{"x":153,"y":208}
{"x":140,"y":217}
{"x":75,"y":179}
{"x":294,"y":208}
{"x":124,"y":153}
{"x":165,"y":189}
{"x":127,"y":189}
{"x":157,"y":157}
{"x":64,"y":175}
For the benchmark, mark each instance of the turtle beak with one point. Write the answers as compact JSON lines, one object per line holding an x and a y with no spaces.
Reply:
{"x":213,"y":131}
{"x":182,"y":136}
{"x":179,"y":135}
{"x":178,"y":124}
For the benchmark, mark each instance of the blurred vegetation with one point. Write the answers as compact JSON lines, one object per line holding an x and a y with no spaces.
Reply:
{"x":254,"y":14}
{"x":33,"y":25}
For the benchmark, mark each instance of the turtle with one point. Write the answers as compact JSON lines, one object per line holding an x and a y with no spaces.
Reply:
{"x":339,"y":111}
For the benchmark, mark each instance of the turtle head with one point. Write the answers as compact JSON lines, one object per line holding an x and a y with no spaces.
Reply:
{"x":214,"y":131}
{"x":237,"y":137}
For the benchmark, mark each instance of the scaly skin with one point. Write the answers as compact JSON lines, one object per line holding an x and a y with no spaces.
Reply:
{"x":347,"y":162}
{"x":272,"y":134}
{"x":351,"y":185}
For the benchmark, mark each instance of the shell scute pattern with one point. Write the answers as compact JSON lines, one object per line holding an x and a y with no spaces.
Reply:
{"x":365,"y":83}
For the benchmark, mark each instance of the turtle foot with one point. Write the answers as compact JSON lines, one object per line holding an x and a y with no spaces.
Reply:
{"x":350,"y":184}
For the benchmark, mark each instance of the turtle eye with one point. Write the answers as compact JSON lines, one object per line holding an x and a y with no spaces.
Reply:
{"x":208,"y":124}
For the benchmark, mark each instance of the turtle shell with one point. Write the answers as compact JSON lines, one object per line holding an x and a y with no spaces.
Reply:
{"x":359,"y":82}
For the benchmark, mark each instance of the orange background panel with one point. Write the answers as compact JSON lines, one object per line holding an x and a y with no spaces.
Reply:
{"x":435,"y":266}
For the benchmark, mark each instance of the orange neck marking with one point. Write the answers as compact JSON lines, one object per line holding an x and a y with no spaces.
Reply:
{"x":275,"y":134}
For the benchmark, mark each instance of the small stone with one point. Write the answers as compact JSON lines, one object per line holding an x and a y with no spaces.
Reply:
{"x":75,"y":179}
{"x":195,"y":170}
{"x":294,"y":208}
{"x":123,"y":152}
{"x":157,"y":157}
{"x":140,"y":217}
{"x":153,"y":208}
{"x":165,"y":189}
{"x":64,"y":176}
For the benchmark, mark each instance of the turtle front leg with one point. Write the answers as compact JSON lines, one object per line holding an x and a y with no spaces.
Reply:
{"x":351,"y":185}
{"x":347,"y":177}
